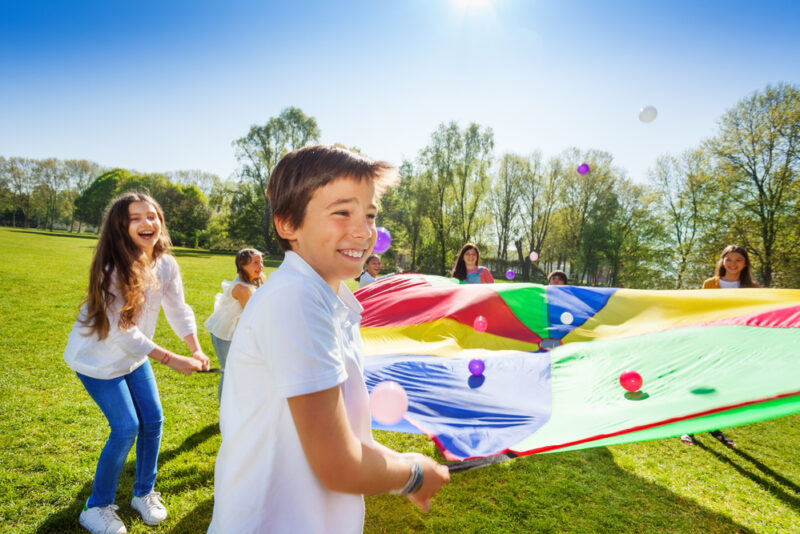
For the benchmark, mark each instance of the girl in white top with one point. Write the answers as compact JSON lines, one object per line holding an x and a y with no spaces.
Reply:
{"x":132,"y":276}
{"x":229,"y":304}
{"x":371,"y":269}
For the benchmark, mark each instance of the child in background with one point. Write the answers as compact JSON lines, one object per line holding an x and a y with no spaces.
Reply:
{"x":467,"y":268}
{"x":229,"y":304}
{"x":132,"y":276}
{"x":371,"y":269}
{"x":297,"y":451}
{"x":732,"y":272}
{"x":557,"y":278}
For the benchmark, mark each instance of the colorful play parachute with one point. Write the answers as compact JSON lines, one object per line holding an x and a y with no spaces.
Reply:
{"x":553,"y":357}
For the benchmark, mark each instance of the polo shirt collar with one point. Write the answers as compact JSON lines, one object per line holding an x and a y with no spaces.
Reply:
{"x":344,"y":302}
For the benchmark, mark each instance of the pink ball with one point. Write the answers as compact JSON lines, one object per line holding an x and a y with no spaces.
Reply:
{"x":388,"y":402}
{"x":631,"y":380}
{"x":480,"y":324}
{"x":534,"y":256}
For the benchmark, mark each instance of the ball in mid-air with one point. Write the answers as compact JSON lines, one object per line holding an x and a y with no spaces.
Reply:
{"x":388,"y":402}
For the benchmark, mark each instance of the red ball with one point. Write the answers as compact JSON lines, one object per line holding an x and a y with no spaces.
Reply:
{"x":631,"y":380}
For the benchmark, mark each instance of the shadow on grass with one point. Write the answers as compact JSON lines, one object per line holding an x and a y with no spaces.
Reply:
{"x":178,"y":251}
{"x":769,"y":485}
{"x":66,"y":520}
{"x":272,"y":261}
{"x":195,"y":521}
{"x":579,"y":491}
{"x":767,"y":471}
{"x":55,"y":233}
{"x":181,"y":252}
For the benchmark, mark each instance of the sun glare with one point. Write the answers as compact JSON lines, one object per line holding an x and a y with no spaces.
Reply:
{"x":472,"y":8}
{"x":466,"y":5}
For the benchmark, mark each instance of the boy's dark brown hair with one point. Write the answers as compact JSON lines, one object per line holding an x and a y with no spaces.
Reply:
{"x":298,"y":174}
{"x":558,"y":274}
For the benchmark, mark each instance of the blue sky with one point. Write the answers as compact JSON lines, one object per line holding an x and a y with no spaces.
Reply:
{"x":168,"y":85}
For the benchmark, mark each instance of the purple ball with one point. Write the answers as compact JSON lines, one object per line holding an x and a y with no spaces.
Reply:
{"x":476,"y":367}
{"x":383,"y":242}
{"x":583,"y":168}
{"x":510,"y":274}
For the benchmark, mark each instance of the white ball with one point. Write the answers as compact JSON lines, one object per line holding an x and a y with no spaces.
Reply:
{"x":648,"y":114}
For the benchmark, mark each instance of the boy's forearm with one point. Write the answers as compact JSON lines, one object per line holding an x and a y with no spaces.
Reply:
{"x":338,"y":458}
{"x":382,"y":470}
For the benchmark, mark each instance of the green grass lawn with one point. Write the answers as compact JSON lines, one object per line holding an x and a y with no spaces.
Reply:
{"x":51,"y":434}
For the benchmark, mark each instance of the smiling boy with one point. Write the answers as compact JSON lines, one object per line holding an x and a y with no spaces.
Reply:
{"x":297,"y":451}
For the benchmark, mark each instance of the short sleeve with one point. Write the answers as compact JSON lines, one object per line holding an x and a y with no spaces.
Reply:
{"x":303,"y":343}
{"x":486,"y":276}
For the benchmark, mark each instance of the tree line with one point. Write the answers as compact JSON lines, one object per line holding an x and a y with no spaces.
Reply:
{"x":739,"y":186}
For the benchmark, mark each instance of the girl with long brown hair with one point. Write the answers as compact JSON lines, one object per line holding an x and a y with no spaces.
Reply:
{"x":132,"y":276}
{"x":733,"y":271}
{"x":467,"y":266}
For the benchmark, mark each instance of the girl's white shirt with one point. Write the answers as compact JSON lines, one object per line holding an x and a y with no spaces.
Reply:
{"x":227,"y":310}
{"x":723,"y":284}
{"x":366,"y":279}
{"x":123,"y":351}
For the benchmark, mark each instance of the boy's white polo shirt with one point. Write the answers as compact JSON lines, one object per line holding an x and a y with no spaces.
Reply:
{"x":296,"y":336}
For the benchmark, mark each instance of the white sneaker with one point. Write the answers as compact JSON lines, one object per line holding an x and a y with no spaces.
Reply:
{"x":102,"y":520}
{"x":151,"y":506}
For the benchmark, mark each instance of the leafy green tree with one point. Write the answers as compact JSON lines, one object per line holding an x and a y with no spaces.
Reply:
{"x":6,"y":195}
{"x":630,"y":210}
{"x":245,"y":216}
{"x":588,"y":204}
{"x":788,"y":260}
{"x":684,"y":191}
{"x":260,"y":150}
{"x":52,"y":183}
{"x":204,"y":181}
{"x":539,"y":198}
{"x":439,"y":160}
{"x":640,"y":261}
{"x":403,"y":212}
{"x":79,"y":174}
{"x":92,"y":203}
{"x":504,"y":201}
{"x":756,"y":149}
{"x":6,"y":198}
{"x":470,"y":180}
{"x":186,"y":210}
{"x":20,"y":177}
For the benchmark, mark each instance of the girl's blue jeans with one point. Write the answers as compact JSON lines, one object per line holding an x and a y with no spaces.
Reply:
{"x":221,"y":347}
{"x":133,"y":409}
